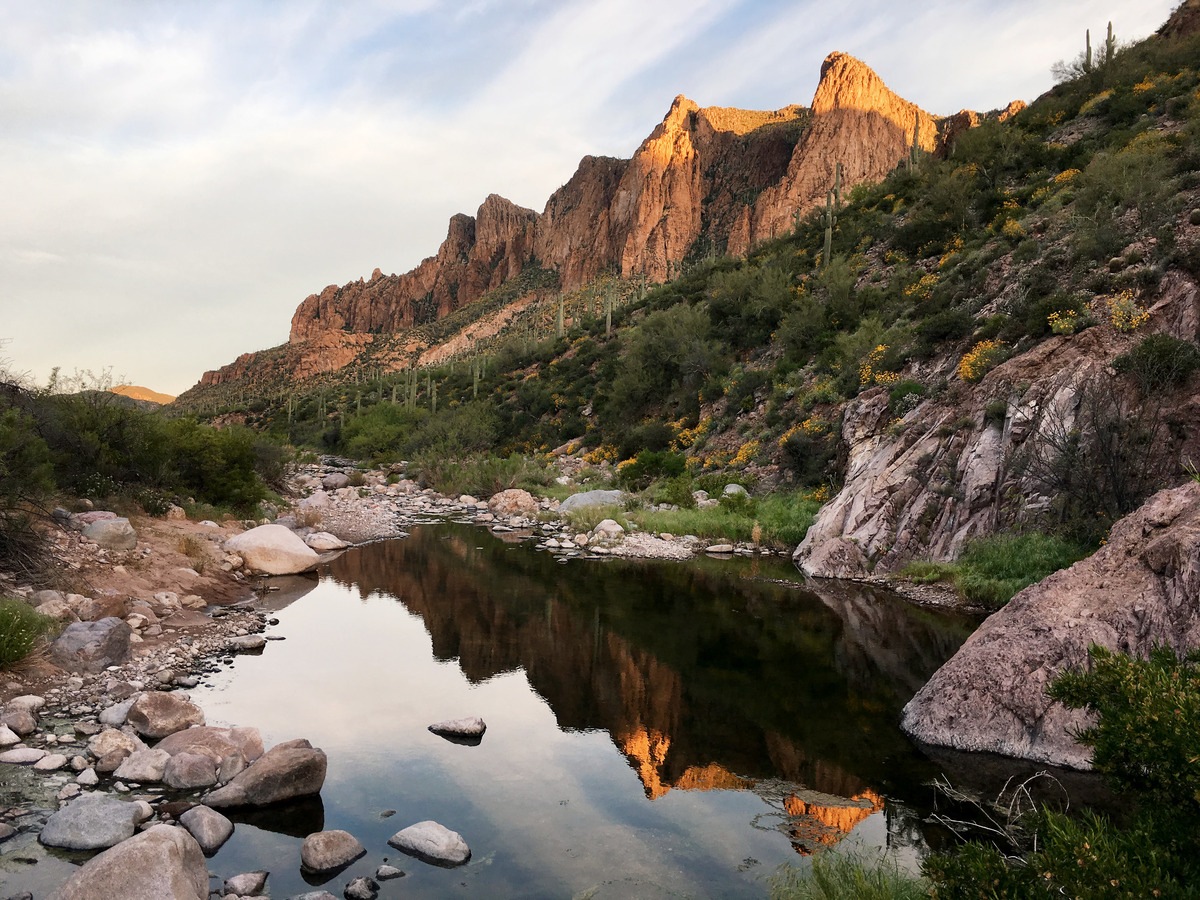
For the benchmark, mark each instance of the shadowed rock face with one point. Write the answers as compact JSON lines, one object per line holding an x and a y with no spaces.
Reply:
{"x":705,"y":180}
{"x":1137,"y":591}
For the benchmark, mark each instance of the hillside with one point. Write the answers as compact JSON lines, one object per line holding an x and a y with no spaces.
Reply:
{"x":998,"y":334}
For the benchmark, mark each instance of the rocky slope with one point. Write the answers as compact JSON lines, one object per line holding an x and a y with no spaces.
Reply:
{"x":705,"y":180}
{"x":1136,"y":592}
{"x":921,"y":485}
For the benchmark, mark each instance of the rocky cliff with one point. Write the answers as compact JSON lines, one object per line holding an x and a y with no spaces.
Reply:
{"x":1137,"y":591}
{"x":920,"y":484}
{"x":706,"y":180}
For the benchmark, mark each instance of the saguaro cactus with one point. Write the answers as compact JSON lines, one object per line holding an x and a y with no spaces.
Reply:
{"x":829,"y":217}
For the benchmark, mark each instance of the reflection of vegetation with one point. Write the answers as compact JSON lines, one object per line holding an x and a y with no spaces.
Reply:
{"x":837,"y":876}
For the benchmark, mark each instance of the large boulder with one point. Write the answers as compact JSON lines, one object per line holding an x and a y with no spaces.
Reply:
{"x":162,"y":863}
{"x":187,"y":771}
{"x":92,"y":646}
{"x":144,"y":766}
{"x":286,"y":771}
{"x":273,"y":550}
{"x":157,"y":714}
{"x":586,"y":499}
{"x":215,"y":742}
{"x":91,"y":822}
{"x":1137,"y":591}
{"x":513,"y":502}
{"x":324,"y":542}
{"x":112,"y":534}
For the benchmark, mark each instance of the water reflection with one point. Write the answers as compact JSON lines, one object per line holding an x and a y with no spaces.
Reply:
{"x":706,"y":676}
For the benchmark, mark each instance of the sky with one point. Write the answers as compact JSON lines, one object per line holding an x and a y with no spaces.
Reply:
{"x":176,"y":176}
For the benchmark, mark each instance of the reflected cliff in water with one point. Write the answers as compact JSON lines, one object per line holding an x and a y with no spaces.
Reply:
{"x":706,"y":675}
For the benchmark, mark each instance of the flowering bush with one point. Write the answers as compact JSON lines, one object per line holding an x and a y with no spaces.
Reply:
{"x":980,"y":360}
{"x":1064,"y":321}
{"x":1125,"y":314}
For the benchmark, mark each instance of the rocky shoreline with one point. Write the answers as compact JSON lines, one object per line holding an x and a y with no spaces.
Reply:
{"x":153,"y":607}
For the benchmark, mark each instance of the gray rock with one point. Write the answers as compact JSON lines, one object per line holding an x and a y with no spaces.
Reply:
{"x":513,"y":502}
{"x":313,"y":895}
{"x":162,"y":863}
{"x":608,"y":529}
{"x":156,"y":714}
{"x":273,"y":550}
{"x":216,"y":742}
{"x":719,"y":548}
{"x":324,"y":542}
{"x":467,"y":730}
{"x":115,"y":715}
{"x":57,"y":608}
{"x":51,"y":762}
{"x":1134,"y":593}
{"x":247,"y":883}
{"x":591,"y":498}
{"x":6,"y":831}
{"x":87,"y":778}
{"x":91,"y":822}
{"x":432,"y":843}
{"x":185,"y":771}
{"x":361,"y":888}
{"x":329,"y":850}
{"x":387,"y":873}
{"x":292,"y":769}
{"x":335,"y":480}
{"x":734,"y":490}
{"x":20,"y":721}
{"x":208,"y":827}
{"x":22,"y":756}
{"x":145,"y":766}
{"x":112,"y":534}
{"x":246,"y":642}
{"x":8,"y":737}
{"x":92,"y":646}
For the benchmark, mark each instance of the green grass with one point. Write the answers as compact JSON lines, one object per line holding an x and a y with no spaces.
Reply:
{"x":782,"y":520}
{"x":835,"y":876}
{"x":21,"y":629}
{"x":992,"y":570}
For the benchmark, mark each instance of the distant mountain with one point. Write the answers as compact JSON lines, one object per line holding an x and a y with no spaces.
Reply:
{"x":706,"y":181}
{"x":136,"y":392}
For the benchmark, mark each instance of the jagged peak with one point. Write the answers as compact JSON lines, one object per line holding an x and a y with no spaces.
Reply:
{"x":848,"y":82}
{"x":743,"y":121}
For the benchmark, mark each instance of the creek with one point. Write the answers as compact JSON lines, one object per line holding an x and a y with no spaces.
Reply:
{"x":654,"y":729}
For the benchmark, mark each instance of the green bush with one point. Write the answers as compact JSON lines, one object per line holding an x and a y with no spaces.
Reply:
{"x":21,"y":629}
{"x":478,"y":474}
{"x":648,"y":466}
{"x":1159,"y":362}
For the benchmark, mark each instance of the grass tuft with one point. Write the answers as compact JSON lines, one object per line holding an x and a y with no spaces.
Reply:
{"x":836,"y":876}
{"x":22,"y":628}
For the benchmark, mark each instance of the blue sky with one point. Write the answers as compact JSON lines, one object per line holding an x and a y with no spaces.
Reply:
{"x":178,"y":176}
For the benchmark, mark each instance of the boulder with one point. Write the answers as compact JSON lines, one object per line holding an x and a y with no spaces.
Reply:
{"x":326,"y":851}
{"x":22,"y":756}
{"x":208,"y":827}
{"x":513,"y":502}
{"x":215,"y":742}
{"x":324,"y":542}
{"x":608,"y":530}
{"x":361,"y":888}
{"x":146,"y":766}
{"x":335,"y":480}
{"x":273,"y":550}
{"x":51,"y":762}
{"x":246,"y":884}
{"x":734,"y":490}
{"x":57,"y":608}
{"x":110,"y":740}
{"x":432,"y":843}
{"x":162,"y":863}
{"x":115,"y":715}
{"x":186,"y":771}
{"x":92,"y":646}
{"x":289,"y":770}
{"x":8,"y":737}
{"x":112,"y":534}
{"x":20,"y":721}
{"x":1137,"y":591}
{"x":591,"y":498}
{"x":156,"y":714}
{"x":91,"y":822}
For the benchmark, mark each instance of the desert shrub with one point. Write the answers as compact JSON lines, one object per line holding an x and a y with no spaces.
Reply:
{"x":477,"y":474}
{"x":808,"y":457}
{"x":656,"y":436}
{"x":648,"y":466}
{"x":746,"y":305}
{"x":1159,"y":362}
{"x":1146,"y":743}
{"x":677,"y":491}
{"x":905,"y":396}
{"x":21,"y":629}
{"x":942,"y":326}
{"x":26,"y":476}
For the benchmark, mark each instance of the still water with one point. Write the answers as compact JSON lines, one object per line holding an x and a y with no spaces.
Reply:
{"x":654,"y":729}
